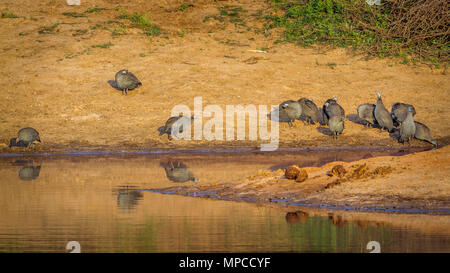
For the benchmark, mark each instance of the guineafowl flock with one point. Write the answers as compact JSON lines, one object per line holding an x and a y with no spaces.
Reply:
{"x":331,"y":114}
{"x":373,"y":115}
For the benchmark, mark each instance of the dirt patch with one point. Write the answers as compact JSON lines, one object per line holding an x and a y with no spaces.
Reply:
{"x":413,"y":182}
{"x":56,"y":61}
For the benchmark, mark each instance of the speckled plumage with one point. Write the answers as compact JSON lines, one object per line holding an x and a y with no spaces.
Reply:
{"x":399,"y":111}
{"x":332,"y":109}
{"x":407,"y":128}
{"x":423,"y":133}
{"x":126,"y":80}
{"x":336,"y":125}
{"x":366,"y":113}
{"x":25,"y":137}
{"x":292,"y":109}
{"x":182,"y":122}
{"x":310,"y":112}
{"x":382,"y":115}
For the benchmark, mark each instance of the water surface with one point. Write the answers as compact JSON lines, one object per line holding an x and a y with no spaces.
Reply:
{"x":103,"y":202}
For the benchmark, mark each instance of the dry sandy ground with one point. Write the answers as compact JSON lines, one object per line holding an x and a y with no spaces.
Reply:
{"x":57,"y":82}
{"x":415,"y":181}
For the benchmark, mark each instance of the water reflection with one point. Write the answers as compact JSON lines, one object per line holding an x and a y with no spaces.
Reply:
{"x":102,"y":202}
{"x":336,"y":220}
{"x":177,"y":171}
{"x":293,"y":218}
{"x":29,"y":170}
{"x":28,"y":173}
{"x":128,"y":198}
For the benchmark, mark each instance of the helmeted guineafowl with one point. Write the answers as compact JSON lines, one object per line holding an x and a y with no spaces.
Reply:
{"x":25,"y":137}
{"x":423,"y":133}
{"x":292,"y":109}
{"x":382,"y":115}
{"x":366,"y":113}
{"x":310,"y":112}
{"x":408,"y":128}
{"x":336,"y":125}
{"x":175,"y":126}
{"x":399,"y":111}
{"x":126,"y":80}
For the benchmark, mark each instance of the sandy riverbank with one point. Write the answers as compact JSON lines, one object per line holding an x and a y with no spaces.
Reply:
{"x":415,"y":182}
{"x":56,"y":81}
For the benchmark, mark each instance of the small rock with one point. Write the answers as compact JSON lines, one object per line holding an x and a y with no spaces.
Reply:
{"x":361,"y":171}
{"x":267,"y":173}
{"x":302,"y":176}
{"x":383,"y":170}
{"x":338,"y":171}
{"x":292,"y":172}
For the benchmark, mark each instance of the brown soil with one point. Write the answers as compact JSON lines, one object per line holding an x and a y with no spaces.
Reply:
{"x":415,"y":181}
{"x":56,"y":82}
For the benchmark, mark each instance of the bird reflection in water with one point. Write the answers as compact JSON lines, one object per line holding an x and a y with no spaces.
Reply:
{"x":177,"y":171}
{"x":128,"y":198}
{"x":29,"y":172}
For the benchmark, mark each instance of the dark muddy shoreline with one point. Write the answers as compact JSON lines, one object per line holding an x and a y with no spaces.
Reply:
{"x":111,"y":150}
{"x":441,"y":206}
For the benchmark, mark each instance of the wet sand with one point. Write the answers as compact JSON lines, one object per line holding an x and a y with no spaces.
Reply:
{"x":415,"y":183}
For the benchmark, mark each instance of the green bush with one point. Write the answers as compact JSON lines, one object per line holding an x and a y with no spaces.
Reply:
{"x":353,"y":23}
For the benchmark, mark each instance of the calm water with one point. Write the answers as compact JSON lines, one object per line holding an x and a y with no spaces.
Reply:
{"x":102,"y":202}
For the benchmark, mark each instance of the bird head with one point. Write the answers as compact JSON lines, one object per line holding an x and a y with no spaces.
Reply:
{"x":379,"y":95}
{"x":335,"y":98}
{"x":284,"y":105}
{"x":12,"y":142}
{"x":326,"y":104}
